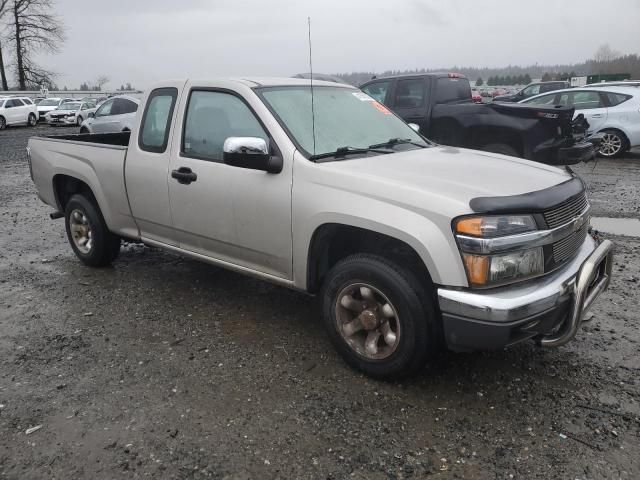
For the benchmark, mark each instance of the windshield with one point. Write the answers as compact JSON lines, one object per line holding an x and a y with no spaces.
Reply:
{"x":49,"y":103}
{"x":344,"y":117}
{"x":69,"y":106}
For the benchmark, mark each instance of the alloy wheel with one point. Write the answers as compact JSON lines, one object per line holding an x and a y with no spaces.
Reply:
{"x":610,"y":145}
{"x":367,"y":321}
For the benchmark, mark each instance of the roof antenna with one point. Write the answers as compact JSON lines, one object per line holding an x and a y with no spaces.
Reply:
{"x":313,"y":115}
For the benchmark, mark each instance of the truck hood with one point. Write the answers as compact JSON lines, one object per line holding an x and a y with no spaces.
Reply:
{"x":447,"y":176}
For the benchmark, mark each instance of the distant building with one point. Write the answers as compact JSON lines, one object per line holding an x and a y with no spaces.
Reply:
{"x":579,"y":81}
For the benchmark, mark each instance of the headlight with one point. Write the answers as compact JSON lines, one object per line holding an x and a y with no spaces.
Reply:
{"x":492,"y":270}
{"x":495,"y":226}
{"x":483,"y":241}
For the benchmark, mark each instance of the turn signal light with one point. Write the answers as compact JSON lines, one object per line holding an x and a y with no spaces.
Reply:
{"x":470,"y":226}
{"x":477,"y":268}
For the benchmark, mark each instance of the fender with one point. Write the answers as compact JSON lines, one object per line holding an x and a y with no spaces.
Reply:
{"x":432,"y":241}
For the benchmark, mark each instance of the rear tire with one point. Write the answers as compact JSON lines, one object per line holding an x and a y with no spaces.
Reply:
{"x":614,"y":144}
{"x":501,"y":148}
{"x":393,"y":302}
{"x":32,"y":120}
{"x":3,"y":123}
{"x":87,"y":232}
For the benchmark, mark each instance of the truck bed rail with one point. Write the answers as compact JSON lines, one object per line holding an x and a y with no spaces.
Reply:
{"x":119,"y":138}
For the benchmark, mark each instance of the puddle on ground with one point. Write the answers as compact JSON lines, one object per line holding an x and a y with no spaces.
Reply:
{"x":617,"y":226}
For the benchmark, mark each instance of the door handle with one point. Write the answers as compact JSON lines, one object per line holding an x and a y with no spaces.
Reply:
{"x":184,"y":175}
{"x":597,"y":115}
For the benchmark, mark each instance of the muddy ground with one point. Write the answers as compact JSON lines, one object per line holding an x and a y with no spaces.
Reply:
{"x":162,"y":367}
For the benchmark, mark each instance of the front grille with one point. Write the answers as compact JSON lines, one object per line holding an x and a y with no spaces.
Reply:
{"x":565,"y":249}
{"x":565,"y":211}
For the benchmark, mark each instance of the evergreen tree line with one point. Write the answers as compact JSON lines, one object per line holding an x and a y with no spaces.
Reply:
{"x":615,"y":63}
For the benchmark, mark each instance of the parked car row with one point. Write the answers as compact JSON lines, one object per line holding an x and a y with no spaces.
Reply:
{"x":92,"y":114}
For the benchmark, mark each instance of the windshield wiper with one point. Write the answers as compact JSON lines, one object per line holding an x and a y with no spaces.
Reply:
{"x":344,"y":151}
{"x":397,"y":141}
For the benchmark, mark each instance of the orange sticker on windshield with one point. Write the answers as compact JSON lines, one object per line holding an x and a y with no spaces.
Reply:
{"x":381,"y":108}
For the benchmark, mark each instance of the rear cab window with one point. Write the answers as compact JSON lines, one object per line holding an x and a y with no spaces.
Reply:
{"x":156,"y":120}
{"x":452,"y":89}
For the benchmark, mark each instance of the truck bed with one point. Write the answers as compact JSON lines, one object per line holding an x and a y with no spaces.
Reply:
{"x":96,"y":160}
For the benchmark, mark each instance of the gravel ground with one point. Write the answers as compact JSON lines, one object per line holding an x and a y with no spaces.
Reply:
{"x":163,"y":367}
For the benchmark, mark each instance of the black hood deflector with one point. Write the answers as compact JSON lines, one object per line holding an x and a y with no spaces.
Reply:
{"x":532,"y":202}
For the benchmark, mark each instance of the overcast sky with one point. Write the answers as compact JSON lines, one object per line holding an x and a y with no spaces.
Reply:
{"x":142,"y":41}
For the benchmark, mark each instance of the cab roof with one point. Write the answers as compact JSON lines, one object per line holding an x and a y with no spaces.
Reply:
{"x":253,"y":82}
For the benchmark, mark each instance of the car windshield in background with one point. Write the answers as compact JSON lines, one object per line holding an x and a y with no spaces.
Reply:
{"x":69,"y":106}
{"x":452,"y":89}
{"x":345,"y":119}
{"x":49,"y":103}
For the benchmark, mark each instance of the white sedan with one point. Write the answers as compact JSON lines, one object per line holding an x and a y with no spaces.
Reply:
{"x":70,"y":113}
{"x":613,"y":111}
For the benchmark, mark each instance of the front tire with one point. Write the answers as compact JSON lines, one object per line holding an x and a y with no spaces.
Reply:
{"x":87,"y":232}
{"x":378,"y":316}
{"x":613,"y":144}
{"x":84,"y":130}
{"x":79,"y":121}
{"x":32,"y":120}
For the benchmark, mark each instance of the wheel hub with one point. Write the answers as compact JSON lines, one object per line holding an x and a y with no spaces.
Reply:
{"x":80,"y":231}
{"x":367,"y":321}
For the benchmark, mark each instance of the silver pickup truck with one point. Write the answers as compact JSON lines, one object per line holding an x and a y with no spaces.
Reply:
{"x":409,"y":245}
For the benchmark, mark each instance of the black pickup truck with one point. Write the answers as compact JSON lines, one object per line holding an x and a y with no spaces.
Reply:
{"x":440,"y":104}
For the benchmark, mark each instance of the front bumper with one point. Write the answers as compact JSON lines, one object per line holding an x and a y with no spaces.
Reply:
{"x":62,"y":121}
{"x":549,"y":308}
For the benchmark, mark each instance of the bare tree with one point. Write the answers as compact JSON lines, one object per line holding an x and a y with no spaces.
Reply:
{"x":102,"y":80}
{"x":36,"y":28}
{"x":605,"y":54}
{"x":3,"y":74}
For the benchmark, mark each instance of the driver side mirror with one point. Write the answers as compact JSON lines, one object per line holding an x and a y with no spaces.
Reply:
{"x":250,"y":152}
{"x":91,"y":114}
{"x":415,"y":127}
